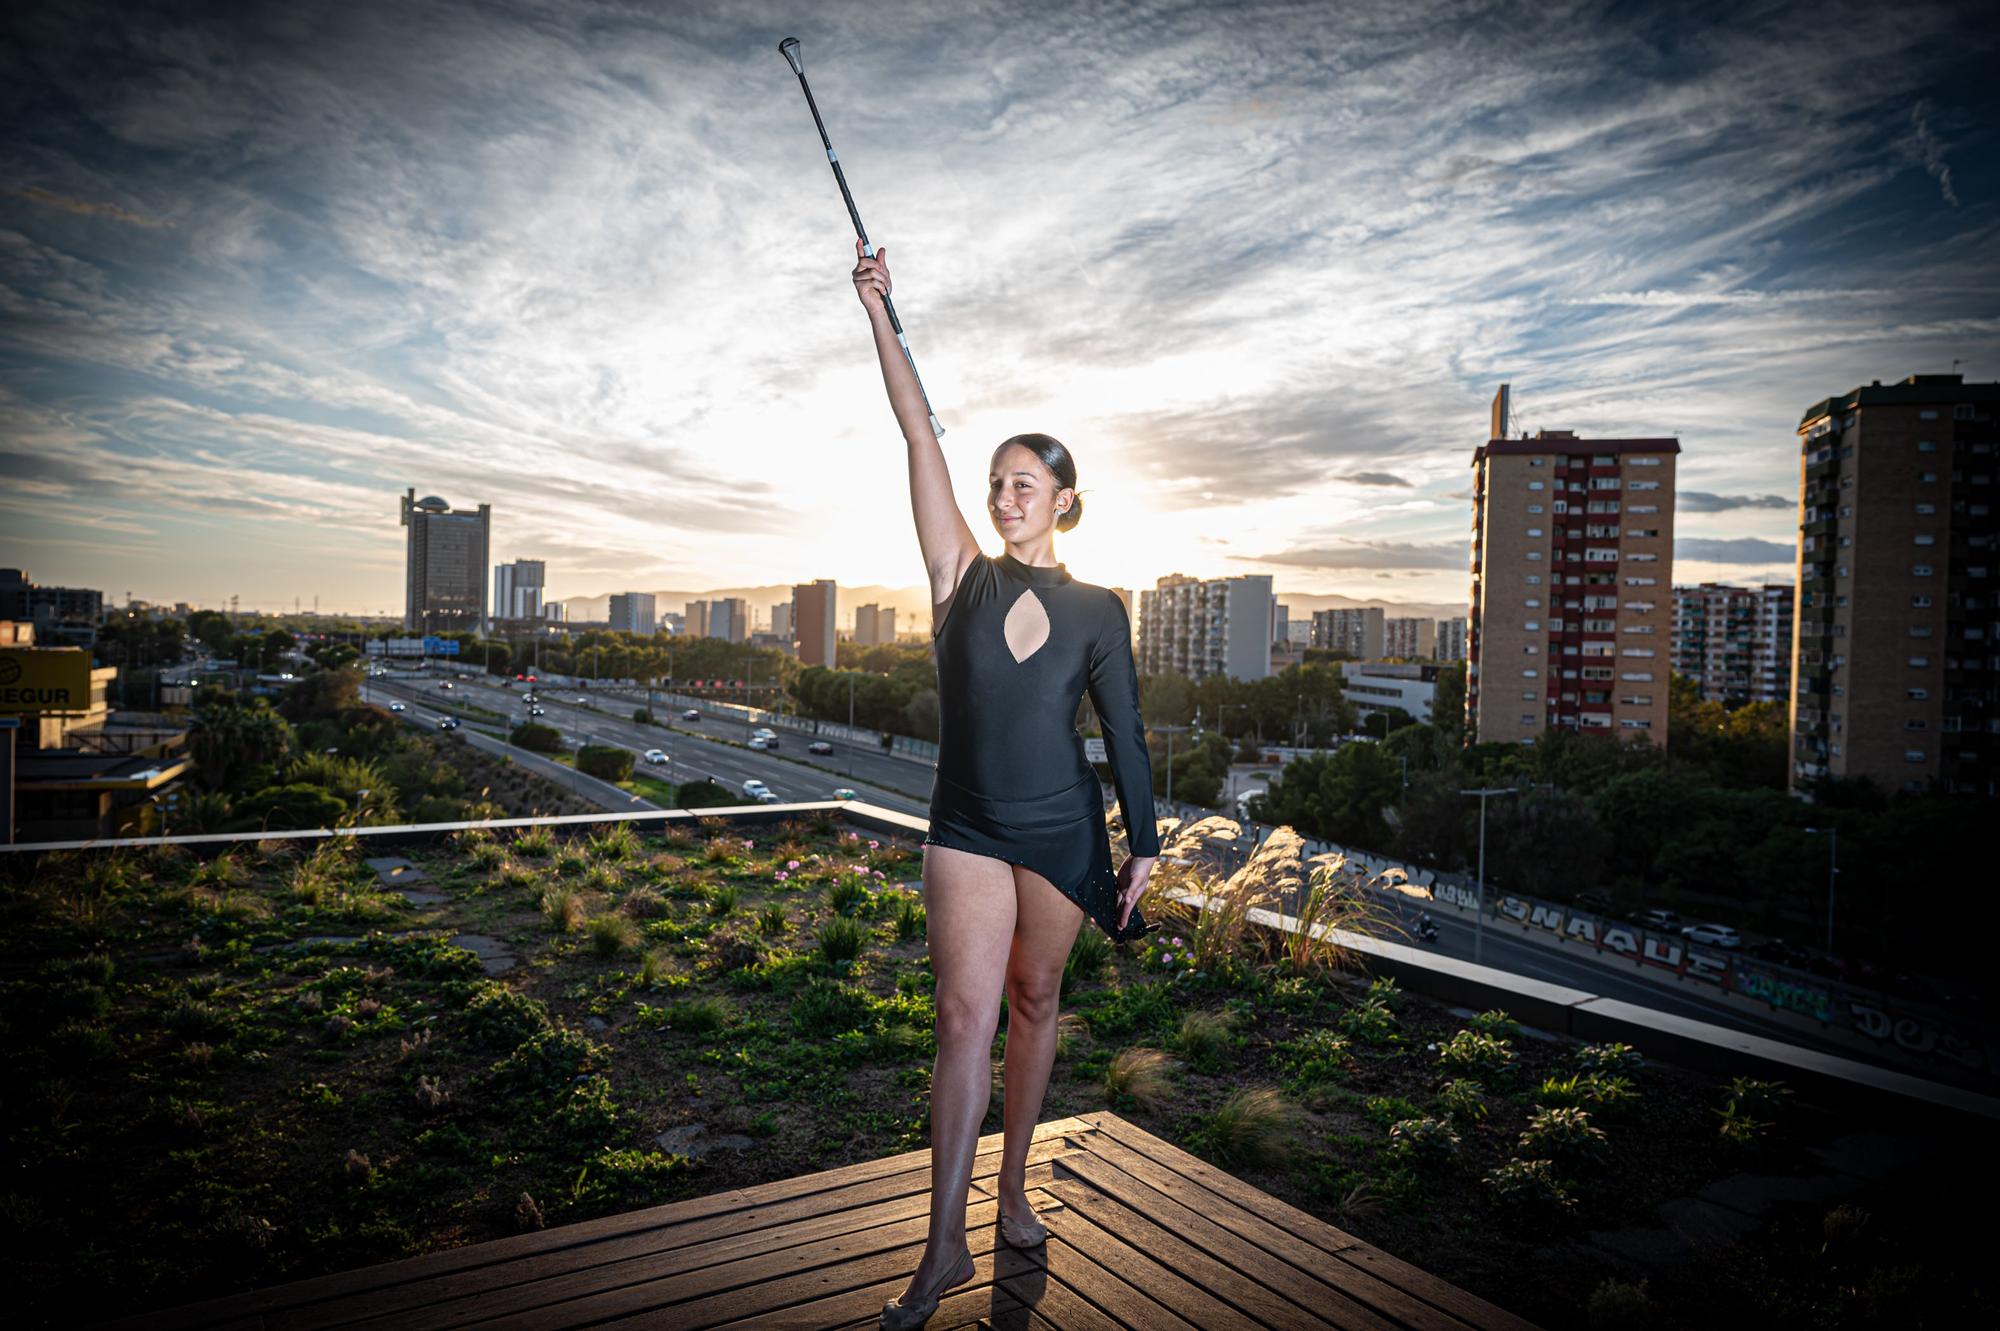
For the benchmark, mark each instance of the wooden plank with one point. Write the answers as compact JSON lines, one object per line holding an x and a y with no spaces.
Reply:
{"x":769,"y":1290}
{"x":1129,"y":1251}
{"x":1114,"y":1296}
{"x":817,"y":1221}
{"x":1391,"y":1272}
{"x":1265,"y":1287}
{"x":1055,"y":1305}
{"x":565,"y":1238}
{"x":1255,"y":1244}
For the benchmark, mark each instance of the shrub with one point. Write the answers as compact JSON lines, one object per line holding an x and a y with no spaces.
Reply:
{"x":1618,"y":1305}
{"x":537,"y":738}
{"x":1563,"y":1134}
{"x":772,"y":920}
{"x":909,"y":920}
{"x":1256,"y":1125}
{"x":841,"y":939}
{"x":499,"y":1018}
{"x":1205,"y":1037}
{"x":564,"y":908}
{"x":607,"y":762}
{"x":1464,"y":1099}
{"x":825,"y":1007}
{"x":1529,"y":1184}
{"x":617,"y":842}
{"x":1370,"y":1021}
{"x":1088,"y":956}
{"x":722,"y":899}
{"x":1138,"y":1074}
{"x":538,"y":843}
{"x":699,"y":1016}
{"x":550,"y":1060}
{"x":1611,"y":1058}
{"x":612,"y":934}
{"x":847,"y":894}
{"x":1423,"y":1141}
{"x":1317,"y":1056}
{"x":1495,"y":1023}
{"x":1474,"y":1051}
{"x":1384,"y":1110}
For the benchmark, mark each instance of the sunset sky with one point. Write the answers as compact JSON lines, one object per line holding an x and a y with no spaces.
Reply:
{"x":1261,"y":266}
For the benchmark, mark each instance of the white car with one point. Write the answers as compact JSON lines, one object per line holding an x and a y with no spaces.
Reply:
{"x":768,"y":797}
{"x":657,"y":757}
{"x":754,"y":787}
{"x":396,"y":707}
{"x":760,"y":742}
{"x":1715,"y":935}
{"x":691,"y":714}
{"x":843,"y":792}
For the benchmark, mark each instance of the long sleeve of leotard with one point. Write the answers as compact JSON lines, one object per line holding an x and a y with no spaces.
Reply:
{"x":1114,"y":692}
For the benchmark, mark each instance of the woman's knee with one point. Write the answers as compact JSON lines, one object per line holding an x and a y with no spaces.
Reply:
{"x":1033,"y":1000}
{"x":966,"y":1018}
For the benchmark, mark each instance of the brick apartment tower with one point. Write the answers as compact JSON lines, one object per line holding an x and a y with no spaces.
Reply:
{"x":1735,"y":643}
{"x":1894,"y":656}
{"x":1572,"y":584}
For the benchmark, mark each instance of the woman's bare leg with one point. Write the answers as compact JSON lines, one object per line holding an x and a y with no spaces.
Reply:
{"x":969,"y":915}
{"x":1045,"y":927}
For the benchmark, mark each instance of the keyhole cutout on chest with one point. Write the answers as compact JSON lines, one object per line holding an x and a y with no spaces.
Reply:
{"x":1026,"y":627}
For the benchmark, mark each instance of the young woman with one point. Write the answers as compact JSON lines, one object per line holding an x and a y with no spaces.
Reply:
{"x":1018,"y":853}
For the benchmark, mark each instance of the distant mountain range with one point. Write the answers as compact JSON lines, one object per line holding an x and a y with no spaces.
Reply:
{"x":912,"y":604}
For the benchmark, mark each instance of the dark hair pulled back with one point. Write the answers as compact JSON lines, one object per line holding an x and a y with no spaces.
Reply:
{"x":1054,"y":455}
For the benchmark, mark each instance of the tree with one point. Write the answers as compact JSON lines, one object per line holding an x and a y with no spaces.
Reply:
{"x":290,"y":807}
{"x":229,"y":737}
{"x":540,"y":739}
{"x":607,"y":762}
{"x":1448,"y":706}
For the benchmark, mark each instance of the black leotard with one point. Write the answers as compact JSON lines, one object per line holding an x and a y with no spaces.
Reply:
{"x":1012,"y":779}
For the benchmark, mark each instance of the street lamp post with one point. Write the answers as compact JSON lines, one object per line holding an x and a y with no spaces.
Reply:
{"x":1169,"y":732}
{"x":1832,"y":877}
{"x":1479,"y":919}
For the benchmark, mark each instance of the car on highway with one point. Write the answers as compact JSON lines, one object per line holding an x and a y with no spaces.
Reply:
{"x":819,"y":746}
{"x":538,"y":711}
{"x":396,"y":707}
{"x":444,"y":683}
{"x":844,"y":793}
{"x":763,"y":742}
{"x":1715,"y":935}
{"x":754,"y":787}
{"x":657,"y":757}
{"x":447,"y":723}
{"x":1660,"y":919}
{"x":531,"y":696}
{"x":691,"y":714}
{"x":769,"y":797}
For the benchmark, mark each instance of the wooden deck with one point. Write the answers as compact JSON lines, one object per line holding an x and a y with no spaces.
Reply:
{"x":1142,"y":1235}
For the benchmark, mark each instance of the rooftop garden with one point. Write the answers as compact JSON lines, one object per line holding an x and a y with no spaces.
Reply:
{"x":236,"y":1069}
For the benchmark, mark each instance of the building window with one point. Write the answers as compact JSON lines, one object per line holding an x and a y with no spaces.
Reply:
{"x":1927,"y":445}
{"x":1530,"y":674}
{"x":1637,"y":700}
{"x":1913,"y":755}
{"x":1534,"y":531}
{"x":1645,"y":485}
{"x":1531,"y":650}
{"x":1642,"y":582}
{"x":1961,"y":411}
{"x":1920,"y":630}
{"x":1920,"y":602}
{"x":1534,"y":554}
{"x":1534,"y":508}
{"x":1917,"y":695}
{"x":1611,"y":483}
{"x":1532,"y":626}
{"x":1643,"y":508}
{"x":1924,"y":538}
{"x":1532,"y":603}
{"x":1636,"y":723}
{"x":1535,"y":485}
{"x":1927,"y":414}
{"x":1920,"y":662}
{"x":1534,"y":579}
{"x":1534,"y":462}
{"x":1920,"y":570}
{"x":1644,"y":559}
{"x":1637,"y":651}
{"x":1923,"y":510}
{"x":1916,"y":723}
{"x":1643,"y":462}
{"x":1527,"y":719}
{"x":1528,"y":695}
{"x":1928,"y":478}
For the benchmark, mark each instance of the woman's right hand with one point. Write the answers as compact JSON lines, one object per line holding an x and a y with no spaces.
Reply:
{"x":871,"y":276}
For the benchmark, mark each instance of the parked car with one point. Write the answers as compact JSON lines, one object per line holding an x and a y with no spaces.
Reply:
{"x":1778,"y":950}
{"x":754,"y":787}
{"x":447,"y":723}
{"x":1596,"y":899}
{"x":397,"y":707}
{"x":691,"y":714}
{"x":538,"y":711}
{"x":1716,"y":935}
{"x":819,"y":746}
{"x":1660,"y":919}
{"x":844,"y":793}
{"x":657,"y":757}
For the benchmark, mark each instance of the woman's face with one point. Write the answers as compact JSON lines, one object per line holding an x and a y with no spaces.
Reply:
{"x":1022,"y":497}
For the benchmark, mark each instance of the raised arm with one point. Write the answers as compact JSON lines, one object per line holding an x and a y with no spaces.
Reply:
{"x":1114,"y":692}
{"x":946,"y":541}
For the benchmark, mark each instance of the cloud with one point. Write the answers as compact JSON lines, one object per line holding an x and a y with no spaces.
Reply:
{"x":1374,"y":478}
{"x":1350,"y":556}
{"x":1733,"y":550}
{"x":1699,"y":501}
{"x":83,"y":208}
{"x":1928,"y":152}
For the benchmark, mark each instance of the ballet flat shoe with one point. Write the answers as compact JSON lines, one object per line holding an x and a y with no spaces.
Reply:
{"x":1029,"y":1235}
{"x":900,"y":1316}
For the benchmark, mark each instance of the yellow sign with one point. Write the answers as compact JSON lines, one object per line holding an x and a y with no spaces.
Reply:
{"x":44,"y":679}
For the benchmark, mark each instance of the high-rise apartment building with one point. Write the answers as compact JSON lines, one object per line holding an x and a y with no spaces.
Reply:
{"x":517,"y":589}
{"x":1735,"y":643}
{"x":813,"y":606}
{"x":444,"y":580}
{"x":1201,"y":627}
{"x":1413,"y":639}
{"x":1894,"y":657}
{"x":632,"y":612}
{"x":1361,"y":632}
{"x":874,"y":625}
{"x":1572,"y":585}
{"x":1451,"y":639}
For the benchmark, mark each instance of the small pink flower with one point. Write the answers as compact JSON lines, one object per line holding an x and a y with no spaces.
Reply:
{"x":874,"y":844}
{"x":782,"y":875}
{"x":791,"y":864}
{"x":1167,"y":960}
{"x":879,"y":874}
{"x":749,"y":845}
{"x":1177,"y":942}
